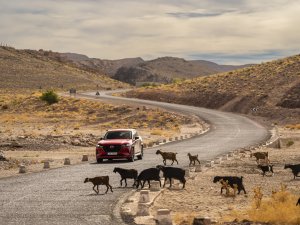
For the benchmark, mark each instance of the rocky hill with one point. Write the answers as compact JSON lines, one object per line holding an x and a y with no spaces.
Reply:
{"x":132,"y":70}
{"x":31,"y":69}
{"x":270,"y":90}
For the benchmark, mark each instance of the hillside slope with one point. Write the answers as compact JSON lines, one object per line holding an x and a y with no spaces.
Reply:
{"x":270,"y":90}
{"x":131,"y":70}
{"x":35,"y":69}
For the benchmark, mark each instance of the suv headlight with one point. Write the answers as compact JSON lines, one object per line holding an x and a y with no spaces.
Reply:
{"x":126,"y":145}
{"x":99,"y":146}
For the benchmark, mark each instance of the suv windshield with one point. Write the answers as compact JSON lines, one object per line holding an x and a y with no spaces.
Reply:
{"x":118,"y":135}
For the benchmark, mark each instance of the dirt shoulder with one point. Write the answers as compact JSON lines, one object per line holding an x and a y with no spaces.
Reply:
{"x":33,"y":131}
{"x":202,"y":197}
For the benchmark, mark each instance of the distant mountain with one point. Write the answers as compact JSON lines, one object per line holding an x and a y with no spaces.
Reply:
{"x":132,"y":70}
{"x":270,"y":90}
{"x":30,"y":69}
{"x":104,"y":66}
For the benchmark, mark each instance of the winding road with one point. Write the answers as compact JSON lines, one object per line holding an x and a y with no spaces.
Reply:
{"x":59,"y":196}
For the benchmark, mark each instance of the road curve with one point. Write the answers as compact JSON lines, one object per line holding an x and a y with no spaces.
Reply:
{"x":59,"y":196}
{"x":228,"y":131}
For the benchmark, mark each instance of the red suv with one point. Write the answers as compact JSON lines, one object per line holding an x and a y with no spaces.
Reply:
{"x":120,"y":144}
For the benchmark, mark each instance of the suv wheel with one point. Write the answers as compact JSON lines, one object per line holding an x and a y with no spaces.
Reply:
{"x":140,"y":156}
{"x":131,"y":159}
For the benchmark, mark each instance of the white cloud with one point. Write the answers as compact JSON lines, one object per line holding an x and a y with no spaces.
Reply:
{"x":130,"y":28}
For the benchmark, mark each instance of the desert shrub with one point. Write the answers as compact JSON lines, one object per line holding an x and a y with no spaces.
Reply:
{"x":184,"y":218}
{"x":50,"y":97}
{"x":289,"y":143}
{"x":279,"y":209}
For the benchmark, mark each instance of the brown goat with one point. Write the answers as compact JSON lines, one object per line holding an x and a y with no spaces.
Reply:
{"x":260,"y":155}
{"x":193,"y":158}
{"x":167,"y":155}
{"x":103,"y":180}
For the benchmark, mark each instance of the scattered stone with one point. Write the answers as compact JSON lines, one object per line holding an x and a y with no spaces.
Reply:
{"x":144,"y":196}
{"x":46,"y":165}
{"x":155,"y":186}
{"x":22,"y":169}
{"x":16,"y":144}
{"x":163,"y":217}
{"x":67,"y":161}
{"x":187,"y":172}
{"x":76,"y":142}
{"x":143,"y":209}
{"x":201,"y":221}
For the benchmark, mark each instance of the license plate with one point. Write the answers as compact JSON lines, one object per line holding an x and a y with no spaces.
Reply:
{"x":112,"y":153}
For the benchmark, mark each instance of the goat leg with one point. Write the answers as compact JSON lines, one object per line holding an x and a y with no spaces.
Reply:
{"x":106,"y":189}
{"x":143,"y":184}
{"x":121,"y":182}
{"x":149,"y":183}
{"x":125,"y":182}
{"x":95,"y":189}
{"x":165,"y":182}
{"x":176,"y":161}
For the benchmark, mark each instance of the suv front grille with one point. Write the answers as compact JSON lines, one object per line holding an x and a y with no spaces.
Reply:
{"x":112,"y":148}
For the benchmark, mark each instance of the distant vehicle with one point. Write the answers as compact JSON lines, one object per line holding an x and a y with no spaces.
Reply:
{"x":120,"y":144}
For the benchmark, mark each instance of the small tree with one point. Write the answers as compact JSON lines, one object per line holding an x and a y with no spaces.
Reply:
{"x":50,"y":97}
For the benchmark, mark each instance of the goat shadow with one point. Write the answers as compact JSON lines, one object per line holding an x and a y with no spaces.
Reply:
{"x":128,"y":187}
{"x":94,"y":194}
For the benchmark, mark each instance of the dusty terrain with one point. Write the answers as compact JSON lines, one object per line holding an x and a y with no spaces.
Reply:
{"x":202,"y":197}
{"x":33,"y":131}
{"x":269,"y":90}
{"x":29,"y":69}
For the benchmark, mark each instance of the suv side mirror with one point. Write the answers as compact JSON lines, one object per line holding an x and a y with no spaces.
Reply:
{"x":136,"y":138}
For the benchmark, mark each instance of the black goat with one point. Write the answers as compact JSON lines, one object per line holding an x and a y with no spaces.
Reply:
{"x":298,"y":203}
{"x":103,"y":180}
{"x":147,"y":175}
{"x":172,"y":173}
{"x":126,"y":173}
{"x":295,"y":169}
{"x":267,"y":168}
{"x":231,"y":181}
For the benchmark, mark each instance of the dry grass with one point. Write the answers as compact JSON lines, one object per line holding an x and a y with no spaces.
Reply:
{"x":270,"y":87}
{"x":279,"y":208}
{"x":293,"y":126}
{"x":184,"y":218}
{"x":28,"y":69}
{"x":26,"y":115}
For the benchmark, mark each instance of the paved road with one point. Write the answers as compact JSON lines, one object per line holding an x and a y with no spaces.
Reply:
{"x":59,"y":196}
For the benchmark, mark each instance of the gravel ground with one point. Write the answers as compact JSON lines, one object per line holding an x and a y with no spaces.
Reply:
{"x":202,"y":197}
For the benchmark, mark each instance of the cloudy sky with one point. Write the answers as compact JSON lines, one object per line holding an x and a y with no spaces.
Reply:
{"x":223,"y":31}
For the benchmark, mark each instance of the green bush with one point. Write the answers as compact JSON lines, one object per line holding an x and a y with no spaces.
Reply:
{"x":50,"y":97}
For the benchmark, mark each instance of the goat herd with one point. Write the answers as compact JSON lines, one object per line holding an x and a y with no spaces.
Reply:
{"x":169,"y":173}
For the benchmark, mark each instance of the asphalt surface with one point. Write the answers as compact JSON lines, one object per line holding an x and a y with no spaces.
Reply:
{"x":59,"y":196}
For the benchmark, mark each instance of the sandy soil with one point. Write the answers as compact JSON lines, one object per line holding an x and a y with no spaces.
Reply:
{"x":202,"y":197}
